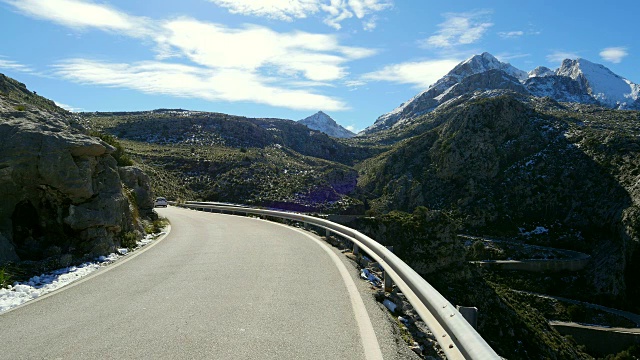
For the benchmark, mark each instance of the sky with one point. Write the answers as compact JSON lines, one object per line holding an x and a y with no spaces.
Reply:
{"x":353,"y":59}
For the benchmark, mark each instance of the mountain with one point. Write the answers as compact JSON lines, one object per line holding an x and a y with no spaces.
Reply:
{"x":578,"y":81}
{"x":602,"y":84}
{"x":323,"y":122}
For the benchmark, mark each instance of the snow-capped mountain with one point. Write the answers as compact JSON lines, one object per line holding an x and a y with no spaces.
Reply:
{"x":441,"y":91}
{"x":575,"y":81}
{"x":323,"y":122}
{"x":602,"y":84}
{"x":541,"y":71}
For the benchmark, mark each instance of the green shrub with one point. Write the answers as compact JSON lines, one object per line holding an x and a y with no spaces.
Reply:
{"x":20,"y":108}
{"x":5,"y":277}
{"x":156,"y":226}
{"x":129,"y":240}
{"x":120,"y":155}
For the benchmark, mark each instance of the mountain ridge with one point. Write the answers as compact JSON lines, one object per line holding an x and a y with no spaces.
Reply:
{"x":577,"y":80}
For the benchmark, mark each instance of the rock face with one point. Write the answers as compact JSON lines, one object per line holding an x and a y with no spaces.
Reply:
{"x":134,"y":179}
{"x":61,"y":189}
{"x":510,"y":162}
{"x":323,"y":122}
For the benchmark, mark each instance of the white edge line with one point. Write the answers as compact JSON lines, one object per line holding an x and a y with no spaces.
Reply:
{"x":368,"y":337}
{"x":94,"y":274}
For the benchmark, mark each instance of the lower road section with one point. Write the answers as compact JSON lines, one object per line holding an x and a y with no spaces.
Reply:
{"x":218,"y":287}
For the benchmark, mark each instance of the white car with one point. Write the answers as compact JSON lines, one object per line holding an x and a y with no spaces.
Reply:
{"x":160,"y":202}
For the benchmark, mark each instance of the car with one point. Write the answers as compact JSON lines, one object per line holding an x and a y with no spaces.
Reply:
{"x":160,"y":202}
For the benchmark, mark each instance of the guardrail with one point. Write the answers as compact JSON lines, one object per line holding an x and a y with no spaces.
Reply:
{"x":458,"y":339}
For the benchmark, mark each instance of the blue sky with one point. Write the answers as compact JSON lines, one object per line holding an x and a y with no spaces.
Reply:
{"x":353,"y":59}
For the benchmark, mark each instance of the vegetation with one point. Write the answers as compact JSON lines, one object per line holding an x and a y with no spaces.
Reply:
{"x":18,"y":93}
{"x":5,"y":277}
{"x":499,"y":166}
{"x":120,"y":154}
{"x":156,"y":226}
{"x":129,"y":240}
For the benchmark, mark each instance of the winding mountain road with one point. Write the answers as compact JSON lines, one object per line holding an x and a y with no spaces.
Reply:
{"x":218,"y":287}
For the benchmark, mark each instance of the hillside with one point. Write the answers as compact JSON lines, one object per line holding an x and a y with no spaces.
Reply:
{"x":508,"y":166}
{"x":219,"y":157}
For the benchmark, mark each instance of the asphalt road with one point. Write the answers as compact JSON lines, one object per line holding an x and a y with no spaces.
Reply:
{"x":218,"y":287}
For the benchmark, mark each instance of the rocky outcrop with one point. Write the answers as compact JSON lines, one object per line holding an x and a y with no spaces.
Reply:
{"x":134,"y":179}
{"x":61,"y":189}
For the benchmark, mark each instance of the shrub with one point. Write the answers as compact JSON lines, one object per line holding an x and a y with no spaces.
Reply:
{"x":120,"y":155}
{"x":20,"y":108}
{"x":156,"y":226}
{"x":129,"y":240}
{"x":5,"y":277}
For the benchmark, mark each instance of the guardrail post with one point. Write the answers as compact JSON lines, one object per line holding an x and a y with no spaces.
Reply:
{"x":356,"y":249}
{"x":306,"y":225}
{"x":327,"y":233}
{"x":470,"y":314}
{"x":388,"y":282}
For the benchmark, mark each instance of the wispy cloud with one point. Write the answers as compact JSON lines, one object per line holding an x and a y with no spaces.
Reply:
{"x":510,"y":34}
{"x":69,"y":107}
{"x":614,"y":54}
{"x":83,"y":14}
{"x":558,"y":56}
{"x":459,"y":29}
{"x":421,"y":74}
{"x":316,"y":57}
{"x":510,"y":56}
{"x":15,"y":66}
{"x":334,"y":11}
{"x":210,"y":61}
{"x":194,"y":82}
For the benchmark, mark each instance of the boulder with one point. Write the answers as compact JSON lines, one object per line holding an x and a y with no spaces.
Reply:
{"x":61,"y":189}
{"x":137,"y":181}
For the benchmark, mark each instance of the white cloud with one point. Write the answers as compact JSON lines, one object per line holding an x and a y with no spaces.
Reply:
{"x":222,"y":63}
{"x":354,"y":83}
{"x":558,"y":56}
{"x":504,"y":57}
{"x":317,"y":57}
{"x":15,"y":66}
{"x":421,"y":74}
{"x":194,"y":82}
{"x":82,"y":14}
{"x":510,"y":34}
{"x":459,"y":29}
{"x":69,"y":107}
{"x":335,"y":11}
{"x":614,"y":54}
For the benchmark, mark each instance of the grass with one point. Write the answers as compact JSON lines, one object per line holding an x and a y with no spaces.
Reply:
{"x":156,"y":226}
{"x":129,"y":240}
{"x":5,"y":277}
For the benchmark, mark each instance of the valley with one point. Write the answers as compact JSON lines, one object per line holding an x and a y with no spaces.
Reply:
{"x":546,"y":161}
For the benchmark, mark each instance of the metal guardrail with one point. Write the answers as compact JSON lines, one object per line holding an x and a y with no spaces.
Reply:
{"x":458,"y":339}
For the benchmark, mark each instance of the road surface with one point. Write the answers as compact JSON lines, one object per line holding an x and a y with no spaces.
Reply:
{"x":218,"y":287}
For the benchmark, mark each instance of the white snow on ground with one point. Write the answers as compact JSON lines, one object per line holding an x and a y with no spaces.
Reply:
{"x":21,"y":292}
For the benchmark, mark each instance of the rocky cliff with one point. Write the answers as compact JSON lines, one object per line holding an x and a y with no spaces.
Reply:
{"x":511,"y":163}
{"x":61,"y":188}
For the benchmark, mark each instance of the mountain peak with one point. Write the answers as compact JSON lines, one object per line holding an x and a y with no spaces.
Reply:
{"x":601,"y":83}
{"x":484,"y":62}
{"x":323,"y":122}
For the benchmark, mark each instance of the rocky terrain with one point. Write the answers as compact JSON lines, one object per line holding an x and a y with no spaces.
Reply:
{"x":64,"y":196}
{"x":486,"y":150}
{"x":218,"y":157}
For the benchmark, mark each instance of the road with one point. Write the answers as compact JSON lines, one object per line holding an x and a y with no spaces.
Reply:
{"x":218,"y":287}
